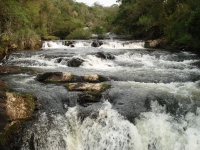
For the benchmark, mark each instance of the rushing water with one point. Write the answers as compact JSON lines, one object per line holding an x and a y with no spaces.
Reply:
{"x":153,"y":103}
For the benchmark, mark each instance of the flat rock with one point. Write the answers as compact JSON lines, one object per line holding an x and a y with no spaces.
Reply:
{"x":55,"y":77}
{"x":10,"y":69}
{"x":19,"y":106}
{"x":96,"y":87}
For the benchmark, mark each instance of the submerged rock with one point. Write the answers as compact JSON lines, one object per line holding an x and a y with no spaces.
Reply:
{"x":75,"y":62}
{"x":105,"y":55}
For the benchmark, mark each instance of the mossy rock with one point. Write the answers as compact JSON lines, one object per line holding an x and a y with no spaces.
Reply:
{"x":7,"y":135}
{"x":89,"y":87}
{"x":20,"y":106}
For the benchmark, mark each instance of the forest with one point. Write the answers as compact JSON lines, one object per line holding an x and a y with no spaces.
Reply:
{"x":24,"y":23}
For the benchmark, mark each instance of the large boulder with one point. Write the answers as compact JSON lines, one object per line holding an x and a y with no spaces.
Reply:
{"x":75,"y":62}
{"x":105,"y":55}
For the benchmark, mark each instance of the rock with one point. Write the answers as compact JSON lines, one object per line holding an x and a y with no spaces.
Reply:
{"x":3,"y":114}
{"x":55,"y":77}
{"x":68,"y":43}
{"x":58,"y":60}
{"x":88,"y":97}
{"x":20,"y":106}
{"x":92,"y":87}
{"x":94,"y":78}
{"x":96,"y":43}
{"x":75,"y":62}
{"x":10,"y":69}
{"x":105,"y":55}
{"x":3,"y":86}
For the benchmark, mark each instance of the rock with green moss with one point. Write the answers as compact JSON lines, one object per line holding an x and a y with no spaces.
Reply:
{"x":18,"y":107}
{"x":54,"y":77}
{"x":92,"y":87}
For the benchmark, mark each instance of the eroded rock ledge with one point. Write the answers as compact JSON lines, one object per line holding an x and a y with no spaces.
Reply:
{"x":14,"y":109}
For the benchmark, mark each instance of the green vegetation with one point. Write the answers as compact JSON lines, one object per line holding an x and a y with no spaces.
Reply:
{"x":175,"y":20}
{"x":24,"y":22}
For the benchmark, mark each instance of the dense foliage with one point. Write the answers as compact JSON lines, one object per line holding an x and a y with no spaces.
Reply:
{"x":175,"y":20}
{"x":25,"y":22}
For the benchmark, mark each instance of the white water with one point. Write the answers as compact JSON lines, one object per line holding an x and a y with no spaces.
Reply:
{"x":154,"y":130}
{"x":137,"y":74}
{"x":108,"y":44}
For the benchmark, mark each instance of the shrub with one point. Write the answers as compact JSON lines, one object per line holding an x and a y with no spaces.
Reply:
{"x":79,"y":34}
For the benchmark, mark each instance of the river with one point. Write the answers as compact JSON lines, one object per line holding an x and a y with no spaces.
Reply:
{"x":154,"y":102}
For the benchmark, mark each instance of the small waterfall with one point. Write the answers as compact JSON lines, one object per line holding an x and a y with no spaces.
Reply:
{"x":154,"y":130}
{"x":109,"y":44}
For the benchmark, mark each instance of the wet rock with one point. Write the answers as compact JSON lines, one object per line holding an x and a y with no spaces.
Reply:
{"x":75,"y":62}
{"x":3,"y":86}
{"x":3,"y":97}
{"x":94,"y":78}
{"x":3,"y":114}
{"x":58,"y":60}
{"x":10,"y":69}
{"x":105,"y":55}
{"x":92,"y":87}
{"x":88,"y":97}
{"x":20,"y":106}
{"x":55,"y":77}
{"x":68,"y":43}
{"x":95,"y":44}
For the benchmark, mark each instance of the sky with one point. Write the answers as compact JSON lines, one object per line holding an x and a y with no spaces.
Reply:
{"x":102,"y":2}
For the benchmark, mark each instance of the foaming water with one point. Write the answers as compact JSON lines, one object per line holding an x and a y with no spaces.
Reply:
{"x":108,"y":44}
{"x":141,"y":79}
{"x":154,"y":130}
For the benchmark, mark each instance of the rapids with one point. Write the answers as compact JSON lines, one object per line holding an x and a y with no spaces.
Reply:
{"x":154,"y":102}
